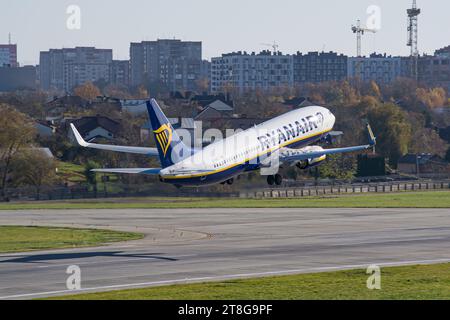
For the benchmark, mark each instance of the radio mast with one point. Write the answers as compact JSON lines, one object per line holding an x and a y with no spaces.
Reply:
{"x":413,"y":37}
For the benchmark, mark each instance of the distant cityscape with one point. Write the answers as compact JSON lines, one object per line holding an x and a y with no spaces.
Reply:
{"x":174,"y":65}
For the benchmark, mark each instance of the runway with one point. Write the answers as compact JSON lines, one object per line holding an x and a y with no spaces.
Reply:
{"x":190,"y":245}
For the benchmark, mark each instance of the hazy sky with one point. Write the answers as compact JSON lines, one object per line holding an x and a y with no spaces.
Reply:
{"x":223,"y":26}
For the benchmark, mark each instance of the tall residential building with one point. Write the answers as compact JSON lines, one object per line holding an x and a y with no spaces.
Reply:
{"x":380,"y":68}
{"x":21,"y":78}
{"x":205,"y":70}
{"x":319,"y":67}
{"x":119,"y":73}
{"x":435,"y":70}
{"x":64,"y":69}
{"x":8,"y":55}
{"x":247,"y":72}
{"x":444,"y":52}
{"x":166,"y":65}
{"x":205,"y":76}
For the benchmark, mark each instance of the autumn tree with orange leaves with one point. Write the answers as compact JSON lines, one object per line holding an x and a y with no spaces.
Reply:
{"x":432,"y":98}
{"x":87,"y":91}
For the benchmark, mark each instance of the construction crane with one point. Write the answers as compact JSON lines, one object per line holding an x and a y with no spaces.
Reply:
{"x":413,"y":36}
{"x":274,"y":46}
{"x":359,"y":33}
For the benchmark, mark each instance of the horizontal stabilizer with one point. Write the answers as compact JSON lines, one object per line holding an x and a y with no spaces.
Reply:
{"x":148,"y":171}
{"x":187,"y":173}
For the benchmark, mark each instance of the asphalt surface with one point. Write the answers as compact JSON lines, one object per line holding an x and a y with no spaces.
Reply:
{"x":190,"y":245}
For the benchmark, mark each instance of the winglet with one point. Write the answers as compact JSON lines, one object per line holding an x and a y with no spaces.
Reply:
{"x":372,"y":138}
{"x":78,"y":136}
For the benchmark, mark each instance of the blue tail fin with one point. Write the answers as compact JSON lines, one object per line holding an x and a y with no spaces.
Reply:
{"x":170,"y":147}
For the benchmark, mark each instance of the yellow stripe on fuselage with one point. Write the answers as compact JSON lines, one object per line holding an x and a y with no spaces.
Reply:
{"x":244,"y":161}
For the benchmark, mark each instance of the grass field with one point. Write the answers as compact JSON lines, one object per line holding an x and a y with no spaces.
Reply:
{"x":71,"y":172}
{"x":423,"y":282}
{"x":20,"y":239}
{"x":74,"y":173}
{"x":437,"y":199}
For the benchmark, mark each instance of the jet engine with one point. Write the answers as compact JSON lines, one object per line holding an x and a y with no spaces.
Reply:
{"x":312,"y":162}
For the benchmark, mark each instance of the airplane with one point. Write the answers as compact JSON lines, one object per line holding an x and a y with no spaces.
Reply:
{"x":284,"y":140}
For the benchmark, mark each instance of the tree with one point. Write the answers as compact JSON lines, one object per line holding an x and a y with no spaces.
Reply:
{"x":337,"y":93}
{"x":141,"y":93}
{"x":432,"y":98}
{"x":393,"y":130}
{"x":16,"y":132}
{"x":425,"y":139}
{"x":403,"y":89}
{"x":118,"y":92}
{"x":311,"y":90}
{"x":447,"y":156}
{"x":349,"y":93}
{"x":87,"y":91}
{"x":31,"y":167}
{"x":338,"y":167}
{"x":368,"y":102}
{"x":375,"y":90}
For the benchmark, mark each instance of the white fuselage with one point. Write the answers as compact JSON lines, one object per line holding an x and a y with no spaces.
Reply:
{"x":245,"y":150}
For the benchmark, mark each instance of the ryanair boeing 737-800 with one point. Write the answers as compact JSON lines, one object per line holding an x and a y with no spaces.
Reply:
{"x":283,"y":140}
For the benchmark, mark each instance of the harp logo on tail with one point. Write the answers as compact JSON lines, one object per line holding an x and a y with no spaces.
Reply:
{"x":164,"y":137}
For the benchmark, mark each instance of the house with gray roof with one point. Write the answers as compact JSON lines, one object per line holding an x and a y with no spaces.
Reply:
{"x":215,"y":110}
{"x":95,"y":127}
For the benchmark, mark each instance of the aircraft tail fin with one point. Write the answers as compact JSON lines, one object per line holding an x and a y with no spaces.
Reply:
{"x":170,"y":147}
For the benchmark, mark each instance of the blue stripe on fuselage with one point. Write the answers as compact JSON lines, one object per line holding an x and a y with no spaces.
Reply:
{"x":236,"y":170}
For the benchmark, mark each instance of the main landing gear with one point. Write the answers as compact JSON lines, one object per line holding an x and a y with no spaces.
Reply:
{"x":228,"y":182}
{"x":275,"y":180}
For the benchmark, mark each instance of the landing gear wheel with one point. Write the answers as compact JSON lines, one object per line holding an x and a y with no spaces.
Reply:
{"x":230,"y":181}
{"x":271,"y":180}
{"x":278,"y":179}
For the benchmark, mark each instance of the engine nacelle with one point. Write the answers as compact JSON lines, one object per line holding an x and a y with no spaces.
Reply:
{"x":311,"y":163}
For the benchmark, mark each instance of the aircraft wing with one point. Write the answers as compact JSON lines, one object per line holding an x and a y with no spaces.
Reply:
{"x":147,"y":171}
{"x":291,"y":155}
{"x":137,"y":150}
